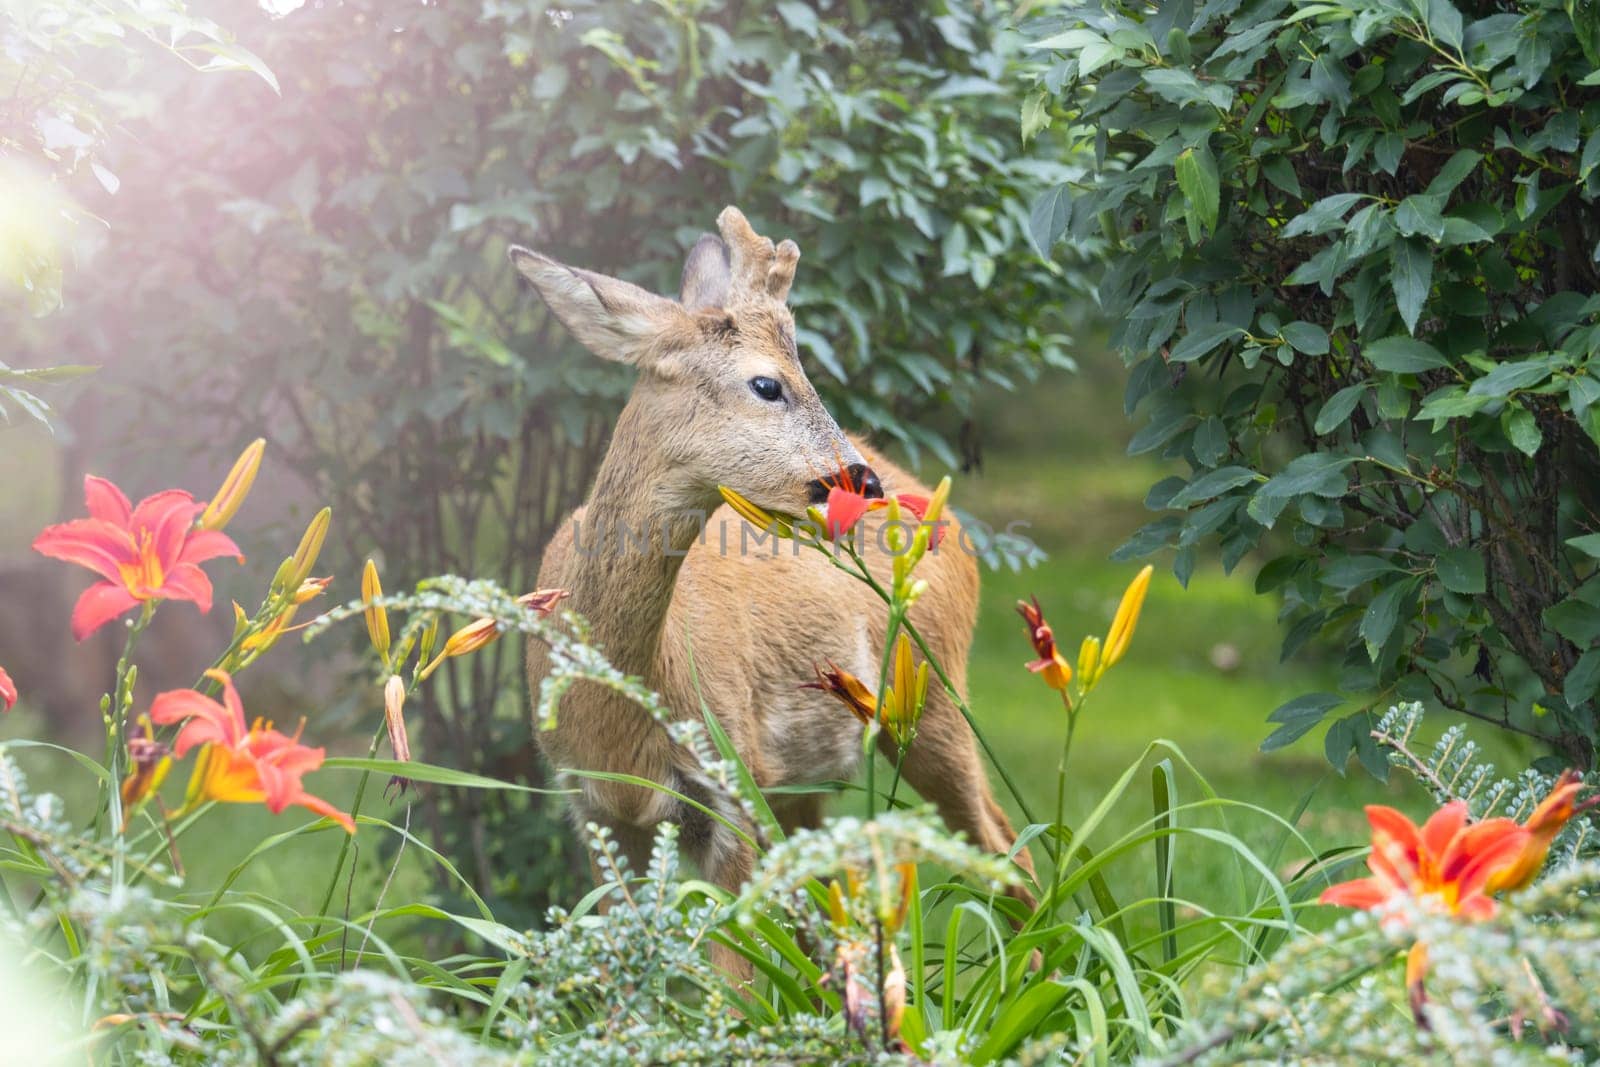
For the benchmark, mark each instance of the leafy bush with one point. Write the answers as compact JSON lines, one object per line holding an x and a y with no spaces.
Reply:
{"x":1352,"y":262}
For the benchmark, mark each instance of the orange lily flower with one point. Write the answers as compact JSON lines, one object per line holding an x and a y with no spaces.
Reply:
{"x":8,"y":691}
{"x":1447,"y":864}
{"x":1051,"y":665}
{"x":144,"y":553}
{"x":902,"y":704}
{"x":1543,"y":825}
{"x":310,"y":589}
{"x":238,"y":763}
{"x":848,"y":690}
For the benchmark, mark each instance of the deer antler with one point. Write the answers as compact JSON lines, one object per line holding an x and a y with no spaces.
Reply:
{"x":754,"y":263}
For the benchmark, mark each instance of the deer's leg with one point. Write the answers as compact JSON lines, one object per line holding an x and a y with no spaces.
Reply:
{"x":944,"y":766}
{"x":633,"y":842}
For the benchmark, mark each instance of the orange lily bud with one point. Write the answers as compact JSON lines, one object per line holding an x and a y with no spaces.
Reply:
{"x":1127,"y":617}
{"x":469,"y":638}
{"x":235,"y":487}
{"x":908,"y":885}
{"x":311,"y":588}
{"x":305,"y":556}
{"x":377,"y":615}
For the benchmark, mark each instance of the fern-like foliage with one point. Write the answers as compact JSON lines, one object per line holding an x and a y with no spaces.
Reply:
{"x":1454,"y":769}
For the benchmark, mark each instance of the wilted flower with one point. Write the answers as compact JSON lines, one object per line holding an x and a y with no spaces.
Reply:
{"x":144,"y":553}
{"x":235,"y":487}
{"x":148,"y":760}
{"x":543,"y":601}
{"x":394,"y":718}
{"x":376,"y":614}
{"x":8,"y":691}
{"x":1051,"y":665}
{"x":902,"y":704}
{"x":239,"y":763}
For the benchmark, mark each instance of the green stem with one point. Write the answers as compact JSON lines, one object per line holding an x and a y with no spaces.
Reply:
{"x":116,"y":741}
{"x":344,"y":847}
{"x":1058,"y":859}
{"x":944,"y":680}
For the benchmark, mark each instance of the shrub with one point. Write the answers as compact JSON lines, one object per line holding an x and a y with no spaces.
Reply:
{"x":1352,"y":267}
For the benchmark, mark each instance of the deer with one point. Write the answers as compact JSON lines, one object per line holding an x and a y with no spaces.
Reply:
{"x":721,"y":399}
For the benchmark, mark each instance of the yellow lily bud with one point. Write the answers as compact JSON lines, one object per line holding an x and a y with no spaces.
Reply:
{"x":936,"y":503}
{"x":1088,"y":663}
{"x":240,"y":619}
{"x":376,"y":615}
{"x":908,"y":884}
{"x":1127,"y":618}
{"x":836,"y":908}
{"x":305,"y":557}
{"x":760,"y":518}
{"x":430,"y":637}
{"x":235,"y":487}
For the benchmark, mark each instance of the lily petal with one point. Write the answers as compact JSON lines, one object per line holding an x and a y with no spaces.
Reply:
{"x":99,"y":604}
{"x":844,"y":511}
{"x":1359,"y":893}
{"x":208,"y":544}
{"x":188,"y":582}
{"x":208,"y":722}
{"x":92,"y":543}
{"x":105,"y":501}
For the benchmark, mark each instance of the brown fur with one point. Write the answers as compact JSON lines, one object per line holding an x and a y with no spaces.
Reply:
{"x":754,"y":622}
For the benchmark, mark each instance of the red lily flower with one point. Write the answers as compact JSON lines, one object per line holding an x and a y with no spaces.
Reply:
{"x":8,"y":691}
{"x":1446,"y":864}
{"x":847,"y":504}
{"x":241,"y":764}
{"x":149,"y":552}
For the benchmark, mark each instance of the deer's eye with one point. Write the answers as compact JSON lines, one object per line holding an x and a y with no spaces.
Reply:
{"x":767,"y":388}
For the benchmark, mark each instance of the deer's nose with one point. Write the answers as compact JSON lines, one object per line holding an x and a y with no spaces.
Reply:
{"x":858,"y":477}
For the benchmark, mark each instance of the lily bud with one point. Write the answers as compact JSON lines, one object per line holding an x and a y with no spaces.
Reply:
{"x":260,"y":642}
{"x":148,"y":760}
{"x":1089,"y":663}
{"x":543,"y":601}
{"x":305,"y":557}
{"x":1127,"y":618}
{"x":235,"y":487}
{"x":760,"y":518}
{"x":376,"y":614}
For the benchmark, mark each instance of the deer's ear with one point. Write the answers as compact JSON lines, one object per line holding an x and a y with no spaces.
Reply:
{"x":612,"y":318}
{"x":706,"y":274}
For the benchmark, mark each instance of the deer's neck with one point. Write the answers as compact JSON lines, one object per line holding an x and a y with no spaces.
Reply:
{"x":640,"y":521}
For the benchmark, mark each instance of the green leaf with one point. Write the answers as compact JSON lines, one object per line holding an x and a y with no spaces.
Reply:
{"x":1338,"y":407}
{"x":1048,"y":218}
{"x":1584,"y":678}
{"x":1400,"y":354}
{"x":1197,"y":178}
{"x":1576,"y":621}
{"x":1035,"y":114}
{"x":1306,"y":337}
{"x":1212,"y":484}
{"x":1521,"y":429}
{"x":1421,"y":214}
{"x":1381,"y":616}
{"x":427,"y":772}
{"x":1298,"y":717}
{"x":1588,"y":544}
{"x":1506,"y":378}
{"x":1198,"y":342}
{"x":1411,"y":276}
{"x":1326,"y":214}
{"x":1461,"y":571}
{"x":1453,"y":173}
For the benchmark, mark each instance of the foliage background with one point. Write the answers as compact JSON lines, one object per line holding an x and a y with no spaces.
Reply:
{"x":1352,"y":260}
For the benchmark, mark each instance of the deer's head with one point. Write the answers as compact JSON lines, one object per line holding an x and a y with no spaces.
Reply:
{"x":721,"y":397}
